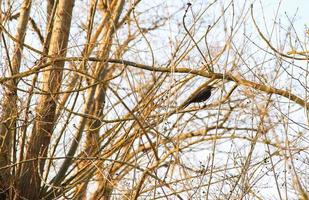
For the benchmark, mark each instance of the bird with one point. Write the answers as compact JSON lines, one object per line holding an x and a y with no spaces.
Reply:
{"x":199,"y":96}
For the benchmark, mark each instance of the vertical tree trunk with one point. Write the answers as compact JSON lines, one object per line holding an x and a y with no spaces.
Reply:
{"x":9,"y":104}
{"x":44,"y":124}
{"x":93,"y":126}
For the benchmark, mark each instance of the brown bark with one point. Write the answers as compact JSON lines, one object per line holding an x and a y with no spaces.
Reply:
{"x":9,"y":104}
{"x":92,"y":145}
{"x":45,"y":118}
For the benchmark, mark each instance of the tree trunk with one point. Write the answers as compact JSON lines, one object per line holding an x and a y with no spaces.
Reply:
{"x":9,"y":106}
{"x":45,"y":118}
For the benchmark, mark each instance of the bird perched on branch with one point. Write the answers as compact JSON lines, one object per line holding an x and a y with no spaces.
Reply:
{"x":199,"y":96}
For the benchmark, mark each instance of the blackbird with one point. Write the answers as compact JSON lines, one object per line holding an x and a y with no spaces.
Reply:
{"x":200,"y":96}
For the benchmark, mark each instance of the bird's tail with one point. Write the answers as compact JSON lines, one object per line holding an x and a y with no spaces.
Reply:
{"x":184,"y":104}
